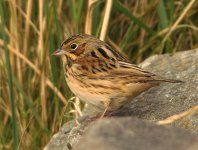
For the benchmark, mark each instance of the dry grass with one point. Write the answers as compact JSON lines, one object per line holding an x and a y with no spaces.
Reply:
{"x":34,"y":98}
{"x":185,"y":114}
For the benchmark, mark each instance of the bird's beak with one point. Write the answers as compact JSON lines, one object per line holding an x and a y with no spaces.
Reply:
{"x":59,"y":52}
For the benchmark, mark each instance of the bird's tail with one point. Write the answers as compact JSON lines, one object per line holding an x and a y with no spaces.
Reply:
{"x":162,"y":79}
{"x":173,"y":81}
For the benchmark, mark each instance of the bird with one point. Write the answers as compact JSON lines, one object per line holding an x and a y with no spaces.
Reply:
{"x":101,"y":76}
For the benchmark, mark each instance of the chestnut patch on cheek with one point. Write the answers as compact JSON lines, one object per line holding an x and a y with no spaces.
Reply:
{"x":79,"y":50}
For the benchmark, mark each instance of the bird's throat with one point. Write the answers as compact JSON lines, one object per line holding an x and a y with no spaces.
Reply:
{"x":67,"y":61}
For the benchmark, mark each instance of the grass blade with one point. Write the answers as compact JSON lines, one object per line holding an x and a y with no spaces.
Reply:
{"x":10,"y":80}
{"x":126,"y":12}
{"x":161,"y":11}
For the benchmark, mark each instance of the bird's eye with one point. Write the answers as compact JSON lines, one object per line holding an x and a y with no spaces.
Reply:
{"x":73,"y":46}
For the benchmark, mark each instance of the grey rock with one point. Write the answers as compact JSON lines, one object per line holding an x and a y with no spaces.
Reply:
{"x":153,"y":105}
{"x":169,"y":99}
{"x":68,"y":135}
{"x":134,"y":134}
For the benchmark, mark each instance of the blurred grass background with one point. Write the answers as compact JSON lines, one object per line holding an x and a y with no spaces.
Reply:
{"x":34,"y":98}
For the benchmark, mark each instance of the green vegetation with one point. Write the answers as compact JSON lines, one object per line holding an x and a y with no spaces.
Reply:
{"x":34,"y":98}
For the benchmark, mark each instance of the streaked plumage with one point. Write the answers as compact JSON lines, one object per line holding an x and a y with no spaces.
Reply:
{"x":100,"y":75}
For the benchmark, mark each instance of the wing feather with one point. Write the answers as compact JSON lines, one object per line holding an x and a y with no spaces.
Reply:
{"x":109,"y":64}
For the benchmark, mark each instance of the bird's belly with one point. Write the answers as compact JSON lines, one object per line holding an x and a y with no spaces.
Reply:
{"x":115,"y":93}
{"x":86,"y":94}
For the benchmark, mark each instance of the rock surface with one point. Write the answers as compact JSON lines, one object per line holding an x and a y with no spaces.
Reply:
{"x":134,"y":134}
{"x":153,"y":105}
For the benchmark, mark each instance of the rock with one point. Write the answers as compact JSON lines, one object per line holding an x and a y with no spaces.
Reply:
{"x":68,"y":135}
{"x":153,"y":105}
{"x":133,"y":134}
{"x":169,"y":99}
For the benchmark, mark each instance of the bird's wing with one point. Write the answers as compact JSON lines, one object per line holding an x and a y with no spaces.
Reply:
{"x":107,"y":63}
